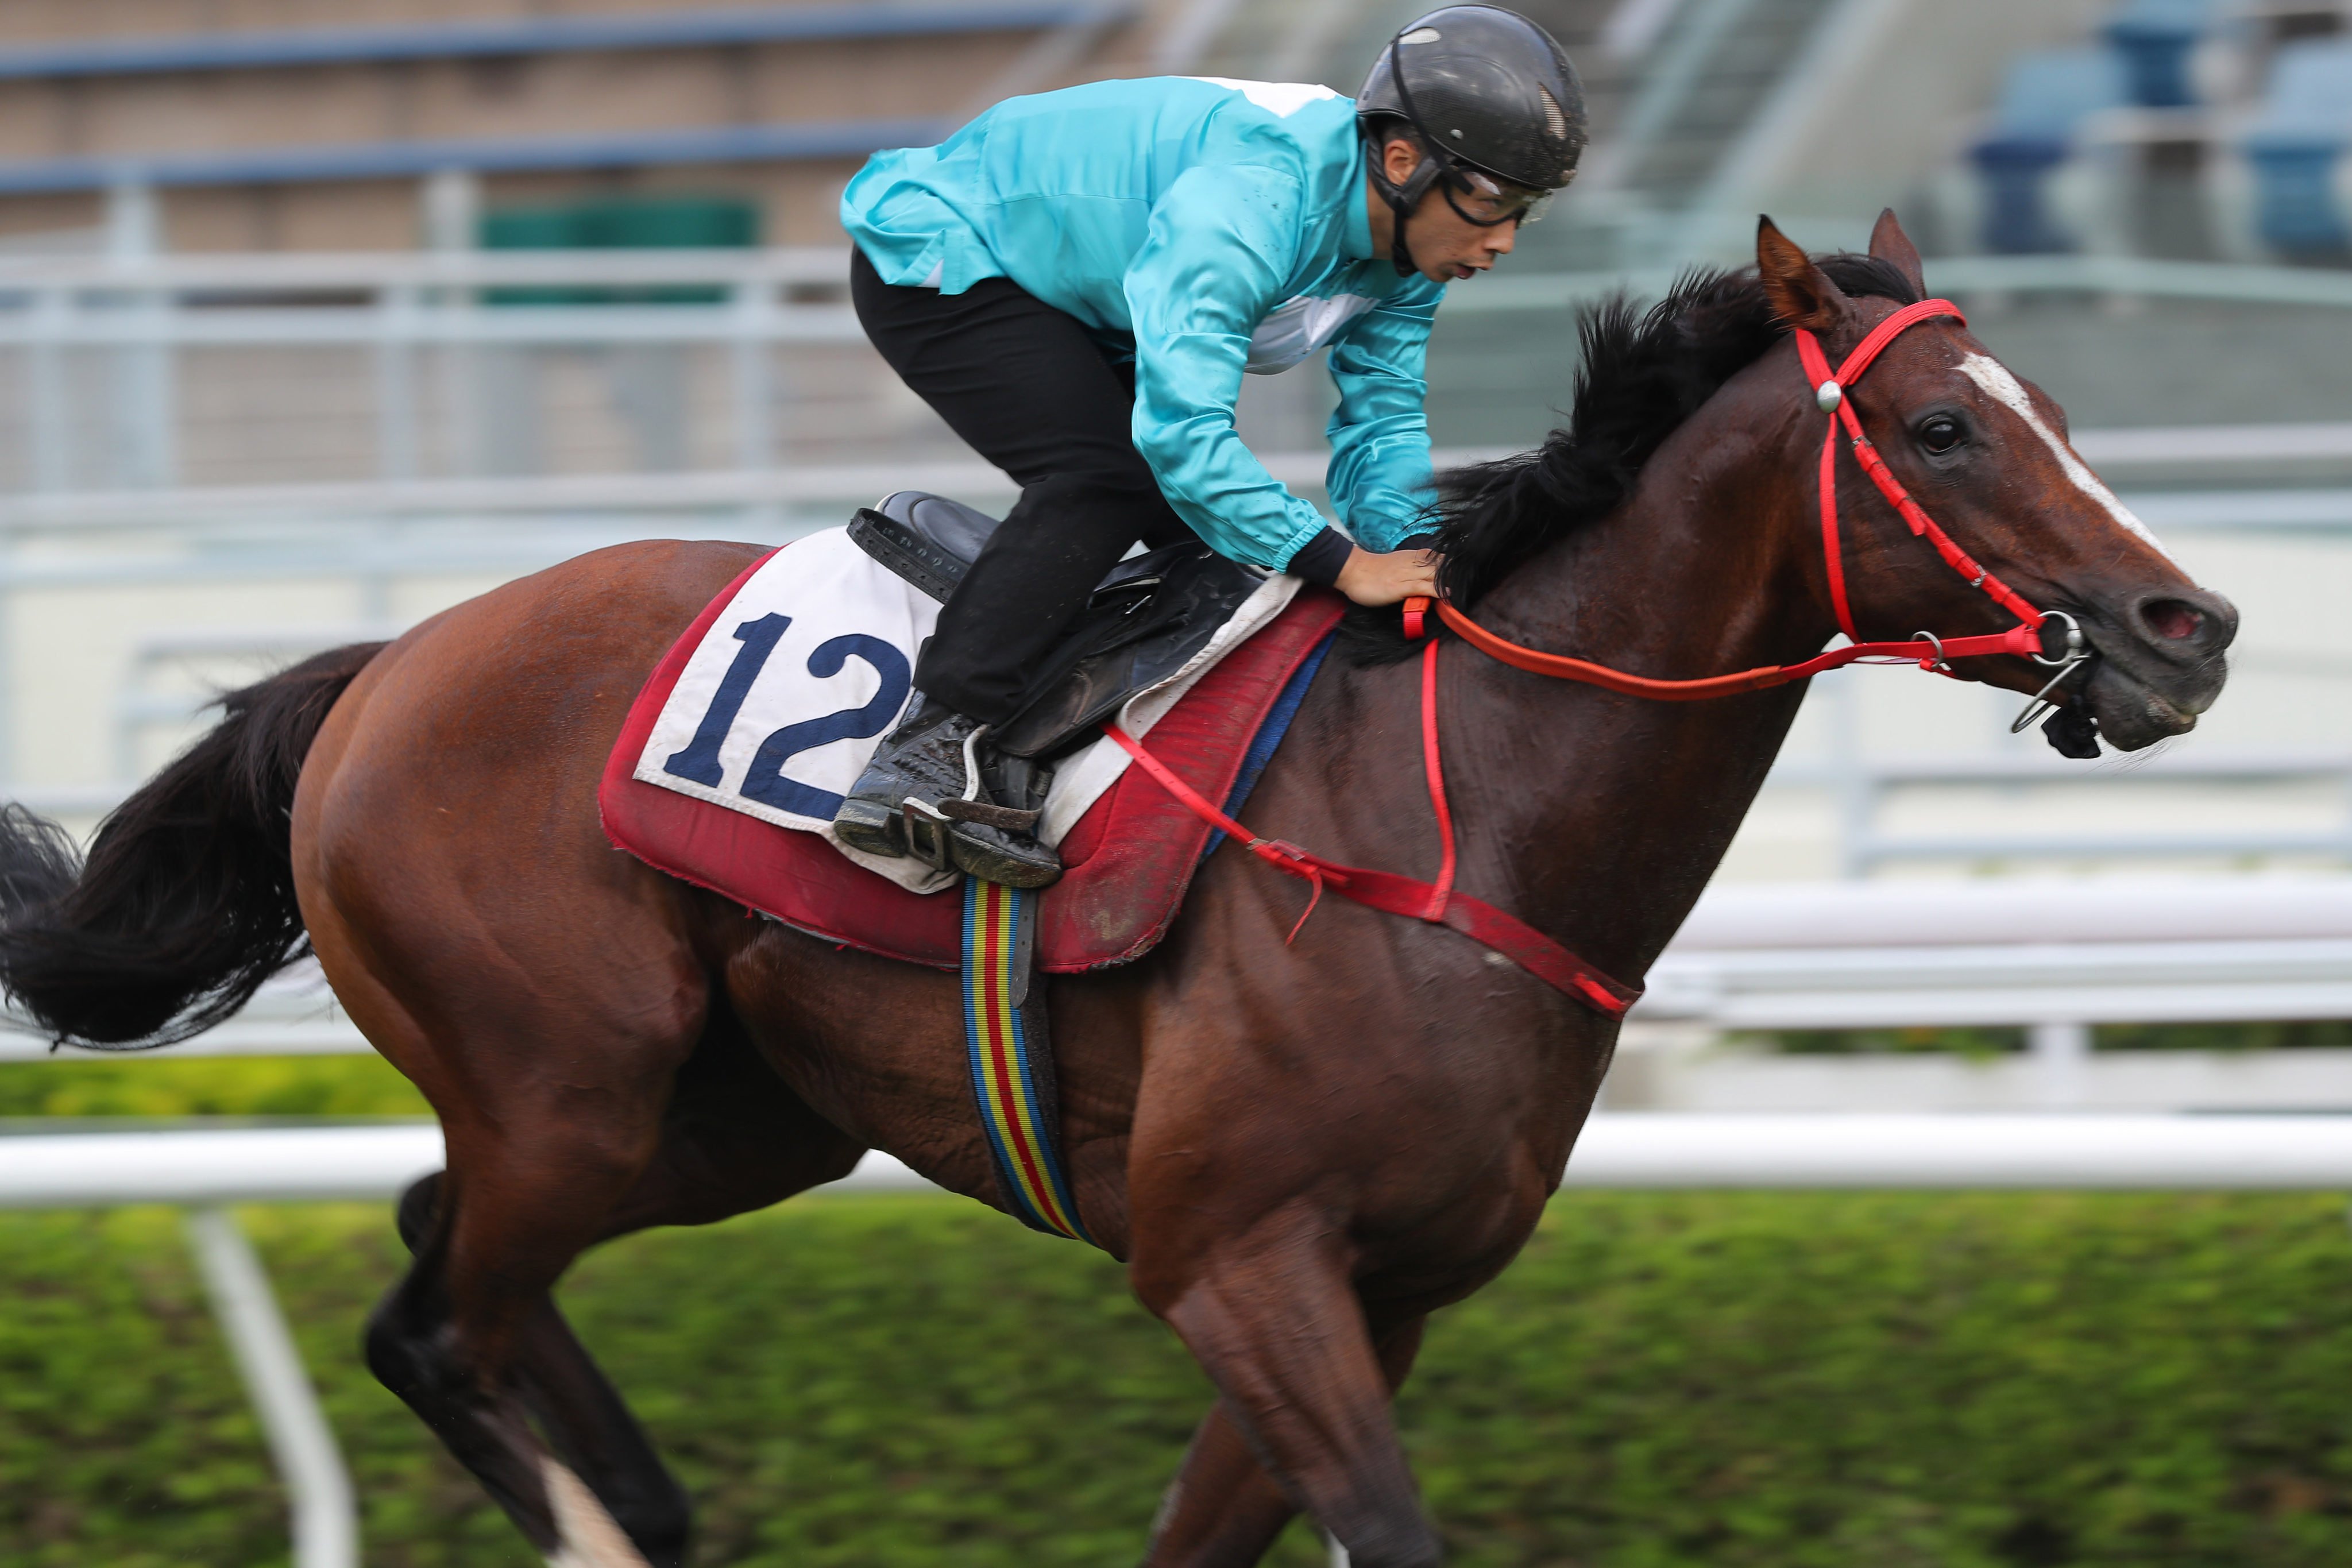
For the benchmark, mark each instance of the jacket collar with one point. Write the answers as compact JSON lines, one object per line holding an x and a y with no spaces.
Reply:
{"x":1356,"y":227}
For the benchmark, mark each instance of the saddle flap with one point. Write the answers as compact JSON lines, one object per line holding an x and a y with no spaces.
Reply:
{"x":1133,"y":634}
{"x":1147,"y":618}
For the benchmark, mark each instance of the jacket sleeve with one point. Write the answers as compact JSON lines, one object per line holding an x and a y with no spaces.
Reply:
{"x":1221,"y":243}
{"x":1380,"y":474}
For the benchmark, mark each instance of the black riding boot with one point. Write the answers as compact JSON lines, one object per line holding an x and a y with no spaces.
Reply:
{"x":936,"y":792}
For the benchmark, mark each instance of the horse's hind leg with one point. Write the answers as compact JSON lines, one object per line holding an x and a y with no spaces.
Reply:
{"x":454,"y":1339}
{"x":583,"y":1416}
{"x":551,"y":1094}
{"x":734,"y":1138}
{"x":731,"y":1138}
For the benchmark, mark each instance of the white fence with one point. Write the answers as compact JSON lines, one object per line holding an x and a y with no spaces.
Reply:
{"x":2011,"y":951}
{"x":176,"y":375}
{"x":2049,"y":953}
{"x":1618,"y":1150}
{"x":337,"y":445}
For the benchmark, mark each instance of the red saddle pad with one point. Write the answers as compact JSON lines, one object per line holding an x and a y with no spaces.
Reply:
{"x":1128,"y":858}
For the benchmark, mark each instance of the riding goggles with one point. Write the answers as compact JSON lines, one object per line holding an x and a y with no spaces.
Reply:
{"x":1490,"y":203}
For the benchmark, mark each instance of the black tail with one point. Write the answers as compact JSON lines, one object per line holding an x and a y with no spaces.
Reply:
{"x":186,"y":903}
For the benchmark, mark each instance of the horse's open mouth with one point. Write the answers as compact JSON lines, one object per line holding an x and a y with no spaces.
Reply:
{"x":2131,"y":712}
{"x":2157,"y":662}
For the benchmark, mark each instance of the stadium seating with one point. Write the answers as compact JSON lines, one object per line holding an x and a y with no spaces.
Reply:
{"x":2155,"y":39}
{"x":736,"y":26}
{"x":2291,"y":131}
{"x":280,"y":137}
{"x":412,"y":158}
{"x":2043,"y":103}
{"x":2295,"y":146}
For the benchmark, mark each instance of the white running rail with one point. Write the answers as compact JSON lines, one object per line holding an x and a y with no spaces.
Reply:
{"x":1838,"y":955}
{"x":1621,"y":1149}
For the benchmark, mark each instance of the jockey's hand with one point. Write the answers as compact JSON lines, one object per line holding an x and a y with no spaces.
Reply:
{"x":1389,"y":579}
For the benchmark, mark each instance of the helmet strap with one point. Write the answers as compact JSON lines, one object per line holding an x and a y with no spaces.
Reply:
{"x":1404,"y":198}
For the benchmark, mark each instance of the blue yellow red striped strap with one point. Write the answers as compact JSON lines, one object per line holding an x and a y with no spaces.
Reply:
{"x":1012,"y":1058}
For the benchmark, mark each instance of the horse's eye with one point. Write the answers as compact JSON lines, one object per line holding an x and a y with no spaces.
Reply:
{"x":1941,"y":433}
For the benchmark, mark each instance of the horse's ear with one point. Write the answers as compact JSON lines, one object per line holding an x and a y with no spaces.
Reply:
{"x":1802,"y":294}
{"x":1889,"y":243}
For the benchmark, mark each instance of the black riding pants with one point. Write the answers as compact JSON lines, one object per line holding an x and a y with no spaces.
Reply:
{"x":1026,"y":386}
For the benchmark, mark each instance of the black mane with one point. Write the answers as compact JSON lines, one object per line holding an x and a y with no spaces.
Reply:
{"x":1642,"y":373}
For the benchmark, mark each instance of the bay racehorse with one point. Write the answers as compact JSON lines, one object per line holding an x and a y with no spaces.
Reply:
{"x":1297,"y":1150}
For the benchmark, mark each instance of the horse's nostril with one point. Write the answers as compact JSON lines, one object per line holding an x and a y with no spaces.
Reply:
{"x":2172,"y":620}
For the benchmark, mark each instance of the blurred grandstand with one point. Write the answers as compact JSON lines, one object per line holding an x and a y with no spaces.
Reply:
{"x":315,"y":318}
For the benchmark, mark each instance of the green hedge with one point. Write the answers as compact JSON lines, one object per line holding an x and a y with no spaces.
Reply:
{"x":1724,"y":1380}
{"x":150,"y":1086}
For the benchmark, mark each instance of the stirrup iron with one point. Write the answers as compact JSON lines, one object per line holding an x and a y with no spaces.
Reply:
{"x":927,"y":833}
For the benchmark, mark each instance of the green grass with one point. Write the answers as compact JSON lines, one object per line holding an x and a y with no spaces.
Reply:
{"x":1972,"y":1381}
{"x":143,"y":1085}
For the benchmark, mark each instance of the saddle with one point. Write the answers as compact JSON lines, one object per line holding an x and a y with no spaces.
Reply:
{"x":1143,"y":624}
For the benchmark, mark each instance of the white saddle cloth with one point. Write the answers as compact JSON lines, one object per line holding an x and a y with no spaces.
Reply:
{"x":812,"y":663}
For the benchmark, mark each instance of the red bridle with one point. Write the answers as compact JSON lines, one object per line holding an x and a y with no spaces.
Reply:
{"x":1830,"y":396}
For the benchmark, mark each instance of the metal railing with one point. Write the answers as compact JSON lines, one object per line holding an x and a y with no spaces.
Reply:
{"x":1864,"y":787}
{"x":431,"y":352}
{"x":746,"y":405}
{"x":2052,"y":954}
{"x":97,"y":340}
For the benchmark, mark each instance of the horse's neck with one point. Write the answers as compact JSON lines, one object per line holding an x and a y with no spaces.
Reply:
{"x":1605,"y":815}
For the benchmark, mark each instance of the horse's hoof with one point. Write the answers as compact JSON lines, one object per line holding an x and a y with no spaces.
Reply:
{"x":587,"y":1536}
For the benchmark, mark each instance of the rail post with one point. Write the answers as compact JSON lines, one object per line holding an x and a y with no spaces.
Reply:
{"x":318,"y":1487}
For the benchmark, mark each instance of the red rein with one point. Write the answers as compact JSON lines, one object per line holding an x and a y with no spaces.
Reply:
{"x":1437,"y":902}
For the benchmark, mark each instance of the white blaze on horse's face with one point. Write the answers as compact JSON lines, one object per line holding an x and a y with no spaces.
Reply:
{"x":2005,"y":389}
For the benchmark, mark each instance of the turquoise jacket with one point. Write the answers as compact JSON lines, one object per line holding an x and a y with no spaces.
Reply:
{"x":1207,"y":227}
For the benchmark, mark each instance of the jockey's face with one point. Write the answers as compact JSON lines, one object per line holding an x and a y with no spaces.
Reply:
{"x":1446,"y":244}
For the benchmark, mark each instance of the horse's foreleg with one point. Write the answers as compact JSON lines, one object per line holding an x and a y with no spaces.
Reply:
{"x":1272,"y":1315}
{"x":1223,"y":1509}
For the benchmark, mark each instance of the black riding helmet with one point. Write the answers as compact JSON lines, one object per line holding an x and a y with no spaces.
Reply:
{"x":1489,"y":92}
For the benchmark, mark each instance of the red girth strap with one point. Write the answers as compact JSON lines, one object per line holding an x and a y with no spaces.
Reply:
{"x":1927,"y":652}
{"x":1436,"y":902}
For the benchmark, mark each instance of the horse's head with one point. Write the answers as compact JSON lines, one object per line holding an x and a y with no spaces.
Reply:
{"x":1985,"y":456}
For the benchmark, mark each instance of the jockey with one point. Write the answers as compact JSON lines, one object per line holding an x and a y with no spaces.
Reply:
{"x":1076,"y":281}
